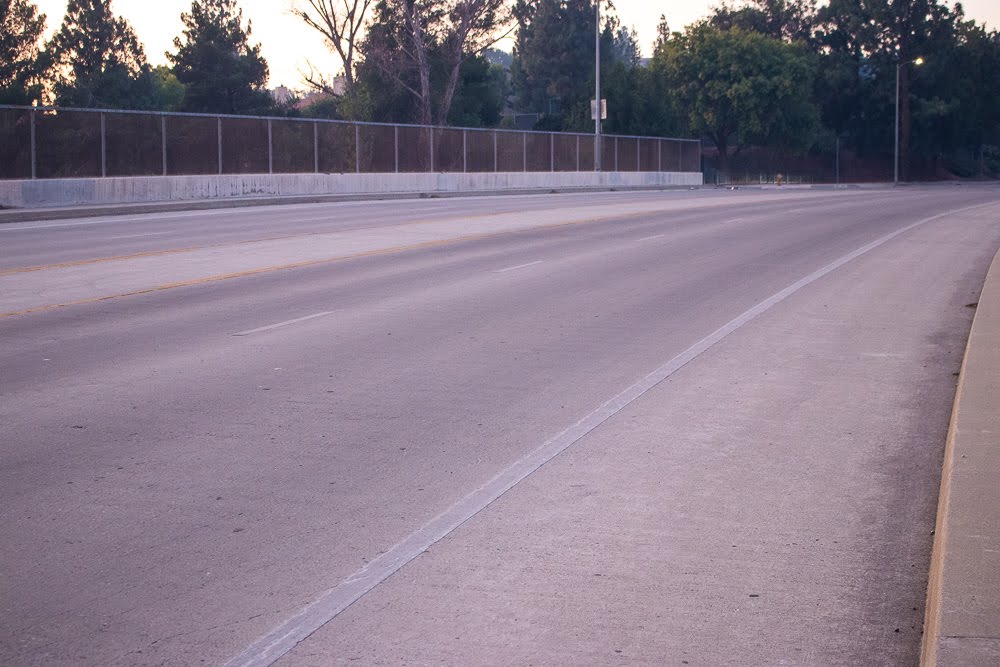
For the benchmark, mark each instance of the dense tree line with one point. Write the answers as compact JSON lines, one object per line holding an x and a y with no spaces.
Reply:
{"x":95,"y":60}
{"x":787,"y":75}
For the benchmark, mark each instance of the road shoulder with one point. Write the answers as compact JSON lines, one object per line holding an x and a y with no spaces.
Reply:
{"x":962,"y":625}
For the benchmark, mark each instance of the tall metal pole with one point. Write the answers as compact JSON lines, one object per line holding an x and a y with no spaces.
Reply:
{"x":104,"y":147}
{"x":895,"y":160}
{"x":597,"y":85}
{"x":838,"y":159}
{"x":163,"y":142}
{"x":34,"y":146}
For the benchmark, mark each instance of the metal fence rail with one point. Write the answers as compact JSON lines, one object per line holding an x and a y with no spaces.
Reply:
{"x":50,"y":142}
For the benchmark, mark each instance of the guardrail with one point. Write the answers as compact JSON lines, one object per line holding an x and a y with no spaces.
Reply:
{"x":55,"y":142}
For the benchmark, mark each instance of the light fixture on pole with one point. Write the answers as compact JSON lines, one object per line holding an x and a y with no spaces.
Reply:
{"x":918,"y":62}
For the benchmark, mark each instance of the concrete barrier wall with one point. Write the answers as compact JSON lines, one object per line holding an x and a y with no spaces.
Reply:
{"x":133,"y":190}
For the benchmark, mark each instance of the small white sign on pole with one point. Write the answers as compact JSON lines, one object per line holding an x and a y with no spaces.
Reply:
{"x":604,"y":109}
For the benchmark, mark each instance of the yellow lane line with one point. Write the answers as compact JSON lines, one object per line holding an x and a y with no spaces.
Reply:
{"x":316,"y":262}
{"x":96,"y":260}
{"x":286,"y":237}
{"x":310,"y":262}
{"x":171,"y":251}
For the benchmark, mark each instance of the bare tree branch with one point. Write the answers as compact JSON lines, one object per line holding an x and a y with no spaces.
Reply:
{"x":341,"y":28}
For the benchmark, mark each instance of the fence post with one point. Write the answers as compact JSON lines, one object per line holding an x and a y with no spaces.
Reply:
{"x":659,"y":155}
{"x":638,"y":155}
{"x":219,"y":125}
{"x":524,"y":152}
{"x":578,"y":152}
{"x":315,"y":147}
{"x":680,"y":156}
{"x":465,"y":152}
{"x":431,"y":142}
{"x":616,"y":153}
{"x":552,"y":152}
{"x":496,"y":153}
{"x":270,"y":149}
{"x":104,"y":148}
{"x":34,"y":152}
{"x":357,"y":148}
{"x":395,"y":132}
{"x":163,"y":142}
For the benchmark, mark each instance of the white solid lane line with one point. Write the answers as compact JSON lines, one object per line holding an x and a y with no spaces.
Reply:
{"x":650,"y":238}
{"x":269,"y":648}
{"x":519,"y":266}
{"x":284,"y":324}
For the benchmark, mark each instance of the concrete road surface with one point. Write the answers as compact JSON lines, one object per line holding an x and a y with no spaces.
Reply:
{"x":662,"y":428}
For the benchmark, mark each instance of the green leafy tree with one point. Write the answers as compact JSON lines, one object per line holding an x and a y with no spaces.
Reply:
{"x":419,"y":55}
{"x":169,"y":91}
{"x":862,"y":42}
{"x":219,"y":68}
{"x":741,"y":88}
{"x":97,"y":60}
{"x":479,"y":98}
{"x":21,"y":61}
{"x":420,"y":48}
{"x":553,"y":68}
{"x":955,"y":100}
{"x":787,"y":20}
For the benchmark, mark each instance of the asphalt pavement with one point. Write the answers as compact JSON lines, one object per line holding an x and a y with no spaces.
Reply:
{"x":616,"y":428}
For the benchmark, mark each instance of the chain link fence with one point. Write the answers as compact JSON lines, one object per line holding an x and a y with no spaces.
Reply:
{"x":48,"y":142}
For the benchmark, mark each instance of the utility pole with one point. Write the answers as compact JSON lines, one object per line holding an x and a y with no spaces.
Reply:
{"x":597,"y":85}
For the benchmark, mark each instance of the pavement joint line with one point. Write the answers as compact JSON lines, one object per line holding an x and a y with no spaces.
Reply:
{"x":519,"y":266}
{"x":270,"y":647}
{"x":284,"y":324}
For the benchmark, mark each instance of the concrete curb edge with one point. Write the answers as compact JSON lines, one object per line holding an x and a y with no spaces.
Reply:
{"x":961,"y":626}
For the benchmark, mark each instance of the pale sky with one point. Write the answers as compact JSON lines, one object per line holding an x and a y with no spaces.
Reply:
{"x":288,"y":43}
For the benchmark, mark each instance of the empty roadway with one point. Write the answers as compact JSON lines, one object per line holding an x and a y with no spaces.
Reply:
{"x":187,"y":468}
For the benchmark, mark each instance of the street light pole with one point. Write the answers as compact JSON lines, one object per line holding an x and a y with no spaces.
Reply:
{"x":597,"y":85}
{"x":895,"y":154}
{"x":899,"y":65}
{"x":838,"y":158}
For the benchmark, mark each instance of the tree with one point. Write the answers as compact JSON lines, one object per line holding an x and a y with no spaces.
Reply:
{"x":340,"y":24}
{"x":221,"y":71}
{"x":787,"y":20}
{"x":21,"y":65}
{"x":663,"y":34}
{"x":480,"y":95}
{"x":865,"y":40}
{"x":419,"y":46}
{"x":553,"y":69}
{"x":98,"y":61}
{"x":955,"y":101}
{"x":740,"y":87}
{"x":169,"y":91}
